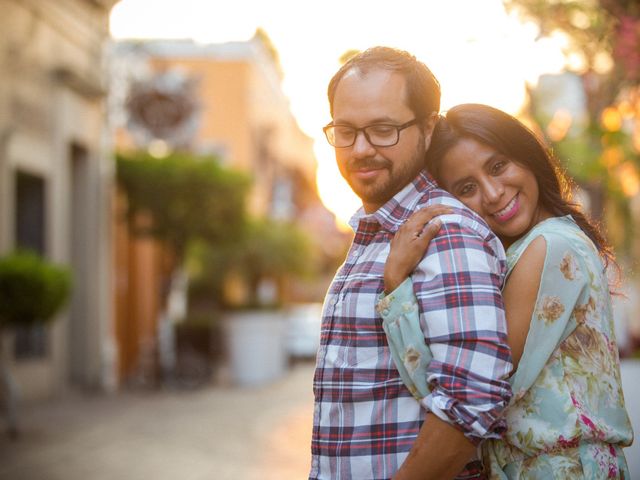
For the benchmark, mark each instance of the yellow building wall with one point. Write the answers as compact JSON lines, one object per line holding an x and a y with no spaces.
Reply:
{"x":221,"y":91}
{"x":241,"y":105}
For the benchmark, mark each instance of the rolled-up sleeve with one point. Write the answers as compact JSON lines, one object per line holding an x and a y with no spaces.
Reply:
{"x":458,"y":289}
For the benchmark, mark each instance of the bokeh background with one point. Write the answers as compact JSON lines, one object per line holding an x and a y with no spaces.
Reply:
{"x":171,"y":214}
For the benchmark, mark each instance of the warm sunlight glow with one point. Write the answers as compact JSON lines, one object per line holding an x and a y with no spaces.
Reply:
{"x":636,"y":137}
{"x":611,"y":119}
{"x":559,"y":125}
{"x":629,"y":179}
{"x":478,"y":52}
{"x":612,"y":156}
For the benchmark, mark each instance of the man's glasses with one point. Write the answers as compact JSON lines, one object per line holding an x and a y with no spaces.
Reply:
{"x":380,"y":135}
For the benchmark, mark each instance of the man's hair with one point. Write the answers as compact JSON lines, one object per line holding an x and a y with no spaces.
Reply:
{"x":423,"y":89}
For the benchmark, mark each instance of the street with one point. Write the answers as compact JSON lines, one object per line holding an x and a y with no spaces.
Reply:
{"x":210,"y":433}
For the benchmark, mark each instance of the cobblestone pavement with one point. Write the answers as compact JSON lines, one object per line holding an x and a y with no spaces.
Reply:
{"x":210,"y":433}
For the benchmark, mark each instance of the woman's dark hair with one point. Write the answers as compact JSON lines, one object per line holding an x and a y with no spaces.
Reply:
{"x":423,"y":89}
{"x":512,"y":138}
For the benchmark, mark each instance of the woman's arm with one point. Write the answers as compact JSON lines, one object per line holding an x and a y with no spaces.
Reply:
{"x":520,"y":294}
{"x":459,"y":314}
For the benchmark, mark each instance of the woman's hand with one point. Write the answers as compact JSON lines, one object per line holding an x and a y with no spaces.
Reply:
{"x":410,"y":243}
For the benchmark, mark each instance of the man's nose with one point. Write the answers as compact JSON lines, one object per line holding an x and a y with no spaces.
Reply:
{"x":361,"y":146}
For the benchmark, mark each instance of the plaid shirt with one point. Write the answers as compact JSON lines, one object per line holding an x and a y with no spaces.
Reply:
{"x":365,"y":419}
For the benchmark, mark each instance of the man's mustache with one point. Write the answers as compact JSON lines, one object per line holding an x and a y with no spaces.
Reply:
{"x":368,"y":164}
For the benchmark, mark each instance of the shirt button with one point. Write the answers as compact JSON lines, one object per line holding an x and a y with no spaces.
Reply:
{"x":356,"y":253}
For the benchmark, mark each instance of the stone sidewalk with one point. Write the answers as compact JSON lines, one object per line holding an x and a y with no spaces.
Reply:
{"x":210,"y":433}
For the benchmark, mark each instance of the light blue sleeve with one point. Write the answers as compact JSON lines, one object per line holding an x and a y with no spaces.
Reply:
{"x":401,"y":323}
{"x":564,"y":287}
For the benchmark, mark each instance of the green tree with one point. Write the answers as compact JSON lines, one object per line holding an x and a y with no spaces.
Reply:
{"x":182,"y":198}
{"x":179,"y":200}
{"x":268,"y":250}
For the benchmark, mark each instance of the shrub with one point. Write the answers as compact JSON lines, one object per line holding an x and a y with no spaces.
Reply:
{"x":32,"y":289}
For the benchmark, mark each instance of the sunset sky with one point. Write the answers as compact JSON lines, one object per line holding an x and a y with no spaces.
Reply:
{"x":477,"y":51}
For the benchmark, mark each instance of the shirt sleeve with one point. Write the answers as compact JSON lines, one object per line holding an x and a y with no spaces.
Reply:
{"x":457,"y":286}
{"x":401,"y":324}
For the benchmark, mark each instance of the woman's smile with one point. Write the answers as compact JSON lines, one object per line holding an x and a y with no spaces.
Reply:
{"x":508,"y":212}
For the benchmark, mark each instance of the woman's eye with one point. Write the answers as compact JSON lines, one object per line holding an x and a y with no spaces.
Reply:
{"x":498,"y":166}
{"x":466,"y":189}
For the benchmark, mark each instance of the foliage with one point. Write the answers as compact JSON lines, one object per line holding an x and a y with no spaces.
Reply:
{"x":605,"y":34}
{"x":274,"y":248}
{"x":267,"y":249}
{"x":32,"y":289}
{"x":186,"y":197}
{"x":588,"y":26}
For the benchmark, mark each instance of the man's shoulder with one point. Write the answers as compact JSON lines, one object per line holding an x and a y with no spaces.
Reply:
{"x":461,"y":214}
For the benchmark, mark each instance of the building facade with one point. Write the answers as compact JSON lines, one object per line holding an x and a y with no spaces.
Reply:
{"x":239,"y":113}
{"x":56,"y":176}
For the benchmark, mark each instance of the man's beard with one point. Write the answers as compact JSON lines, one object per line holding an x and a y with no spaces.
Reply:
{"x":399,"y":176}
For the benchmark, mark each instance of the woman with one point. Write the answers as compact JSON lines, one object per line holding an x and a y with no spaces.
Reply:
{"x":567,"y":417}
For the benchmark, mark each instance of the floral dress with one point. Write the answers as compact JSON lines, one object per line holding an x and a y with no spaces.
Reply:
{"x":567,"y":418}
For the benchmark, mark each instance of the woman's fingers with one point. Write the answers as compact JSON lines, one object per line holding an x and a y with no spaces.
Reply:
{"x":415,"y":224}
{"x":410,"y":243}
{"x":429,"y":231}
{"x":427,"y":213}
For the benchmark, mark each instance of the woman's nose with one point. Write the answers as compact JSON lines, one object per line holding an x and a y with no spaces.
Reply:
{"x":493,"y":191}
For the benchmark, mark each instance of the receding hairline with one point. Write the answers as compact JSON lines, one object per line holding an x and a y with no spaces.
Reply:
{"x":423,"y":88}
{"x":362,"y":72}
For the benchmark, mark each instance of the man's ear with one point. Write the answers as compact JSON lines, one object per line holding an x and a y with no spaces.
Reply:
{"x":427,"y":129}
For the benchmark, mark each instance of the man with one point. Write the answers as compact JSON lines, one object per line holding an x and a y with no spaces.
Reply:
{"x":384,"y":106}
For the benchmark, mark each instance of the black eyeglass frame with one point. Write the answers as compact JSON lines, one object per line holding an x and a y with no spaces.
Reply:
{"x":356,"y":130}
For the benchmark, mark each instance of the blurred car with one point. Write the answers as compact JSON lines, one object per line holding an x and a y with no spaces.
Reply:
{"x":302,"y":334}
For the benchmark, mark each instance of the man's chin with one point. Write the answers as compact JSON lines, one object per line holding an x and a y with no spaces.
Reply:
{"x":373,"y":198}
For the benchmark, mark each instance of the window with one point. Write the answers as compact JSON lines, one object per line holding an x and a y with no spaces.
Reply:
{"x":30,"y":221}
{"x":30,"y":342}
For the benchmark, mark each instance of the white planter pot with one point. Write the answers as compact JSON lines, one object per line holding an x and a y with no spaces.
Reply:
{"x":256,"y":347}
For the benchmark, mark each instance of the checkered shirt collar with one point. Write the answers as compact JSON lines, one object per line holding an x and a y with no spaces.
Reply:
{"x":392,"y":214}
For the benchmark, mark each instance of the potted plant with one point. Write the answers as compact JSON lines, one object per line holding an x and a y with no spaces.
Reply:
{"x":250,"y":281}
{"x":32,"y":291}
